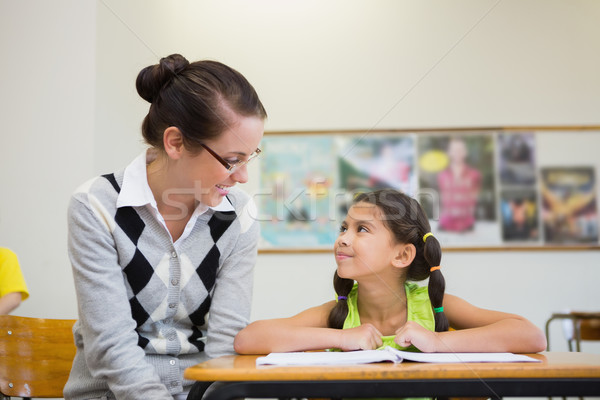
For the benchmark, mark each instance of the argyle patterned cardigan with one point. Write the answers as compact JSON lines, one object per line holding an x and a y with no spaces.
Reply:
{"x":143,"y":303}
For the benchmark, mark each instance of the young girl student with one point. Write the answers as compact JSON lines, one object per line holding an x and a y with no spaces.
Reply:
{"x":384,"y":247}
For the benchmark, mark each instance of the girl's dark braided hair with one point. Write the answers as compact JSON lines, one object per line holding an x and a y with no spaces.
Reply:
{"x":407,"y":221}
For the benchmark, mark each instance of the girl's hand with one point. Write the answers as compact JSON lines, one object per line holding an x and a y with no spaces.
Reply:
{"x":412,"y":333}
{"x":364,"y":337}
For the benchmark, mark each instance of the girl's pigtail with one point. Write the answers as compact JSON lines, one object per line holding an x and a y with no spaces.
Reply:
{"x":338,"y":314}
{"x":437,"y":285}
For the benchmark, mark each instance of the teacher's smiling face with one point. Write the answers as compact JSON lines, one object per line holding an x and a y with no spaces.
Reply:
{"x":204,"y":172}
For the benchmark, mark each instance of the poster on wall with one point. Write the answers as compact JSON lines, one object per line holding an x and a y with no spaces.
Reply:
{"x":295,"y":203}
{"x":569,"y":209}
{"x":519,"y":209}
{"x":519,"y":212}
{"x":517,"y":158}
{"x":457,"y":187}
{"x":374,"y":162}
{"x":480,"y":188}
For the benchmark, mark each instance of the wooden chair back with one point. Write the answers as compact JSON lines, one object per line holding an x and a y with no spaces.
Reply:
{"x":35,"y":356}
{"x":589,"y":329}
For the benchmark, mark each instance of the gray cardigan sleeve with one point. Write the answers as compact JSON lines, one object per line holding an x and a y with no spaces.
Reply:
{"x":232,"y":296}
{"x":105,"y":322}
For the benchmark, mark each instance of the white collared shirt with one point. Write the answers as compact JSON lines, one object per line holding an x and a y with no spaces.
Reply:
{"x":136,"y":192}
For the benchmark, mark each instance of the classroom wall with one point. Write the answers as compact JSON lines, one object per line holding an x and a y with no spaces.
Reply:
{"x":70,"y":111}
{"x":47,"y":86}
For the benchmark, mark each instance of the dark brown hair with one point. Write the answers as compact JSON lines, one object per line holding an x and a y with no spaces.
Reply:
{"x":407,"y":221}
{"x":197,"y":98}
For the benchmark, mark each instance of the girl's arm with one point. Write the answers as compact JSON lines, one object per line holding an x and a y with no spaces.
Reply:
{"x":477,"y":330}
{"x":304,"y":331}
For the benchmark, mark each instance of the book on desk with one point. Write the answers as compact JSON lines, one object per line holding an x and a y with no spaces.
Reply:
{"x":387,"y":354}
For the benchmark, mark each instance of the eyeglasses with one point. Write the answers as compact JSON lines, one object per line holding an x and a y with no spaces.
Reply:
{"x":231,"y":168}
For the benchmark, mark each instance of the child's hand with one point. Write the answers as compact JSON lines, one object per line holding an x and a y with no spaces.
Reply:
{"x":364,"y":337}
{"x":412,"y":333}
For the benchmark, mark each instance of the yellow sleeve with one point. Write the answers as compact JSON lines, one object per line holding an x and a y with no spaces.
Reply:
{"x":11,"y":278}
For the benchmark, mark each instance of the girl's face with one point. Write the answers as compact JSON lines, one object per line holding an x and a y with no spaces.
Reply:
{"x":202,"y":174}
{"x":365,"y":246}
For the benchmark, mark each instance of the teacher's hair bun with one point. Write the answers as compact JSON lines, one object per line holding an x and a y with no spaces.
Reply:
{"x":152,"y":79}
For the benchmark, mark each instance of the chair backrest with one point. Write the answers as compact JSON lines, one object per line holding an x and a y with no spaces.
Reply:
{"x":35,"y":356}
{"x":589,"y":329}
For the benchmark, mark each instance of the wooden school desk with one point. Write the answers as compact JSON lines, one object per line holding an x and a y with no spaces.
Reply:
{"x":559,"y":374}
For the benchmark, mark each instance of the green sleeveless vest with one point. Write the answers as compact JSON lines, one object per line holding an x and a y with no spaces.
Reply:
{"x":418,"y":310}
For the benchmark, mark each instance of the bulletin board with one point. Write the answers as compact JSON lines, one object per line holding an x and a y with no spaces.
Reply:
{"x":485,"y":188}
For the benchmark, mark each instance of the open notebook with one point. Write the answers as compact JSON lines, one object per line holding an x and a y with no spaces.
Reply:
{"x":387,"y":354}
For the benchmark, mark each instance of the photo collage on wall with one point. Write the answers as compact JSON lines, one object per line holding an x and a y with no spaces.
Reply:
{"x":478,"y":188}
{"x":518,"y":197}
{"x":569,"y":206}
{"x":457,"y":187}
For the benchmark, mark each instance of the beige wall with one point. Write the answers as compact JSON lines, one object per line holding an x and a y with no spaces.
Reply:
{"x":47,"y":85}
{"x":69,"y":111}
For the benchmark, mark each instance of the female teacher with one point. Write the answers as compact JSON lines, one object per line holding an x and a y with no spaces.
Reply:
{"x":162,"y":252}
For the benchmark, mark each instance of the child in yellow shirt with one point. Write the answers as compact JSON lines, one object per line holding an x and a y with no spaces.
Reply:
{"x":13,"y":289}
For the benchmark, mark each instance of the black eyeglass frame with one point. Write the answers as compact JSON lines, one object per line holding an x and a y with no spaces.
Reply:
{"x":231,"y":167}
